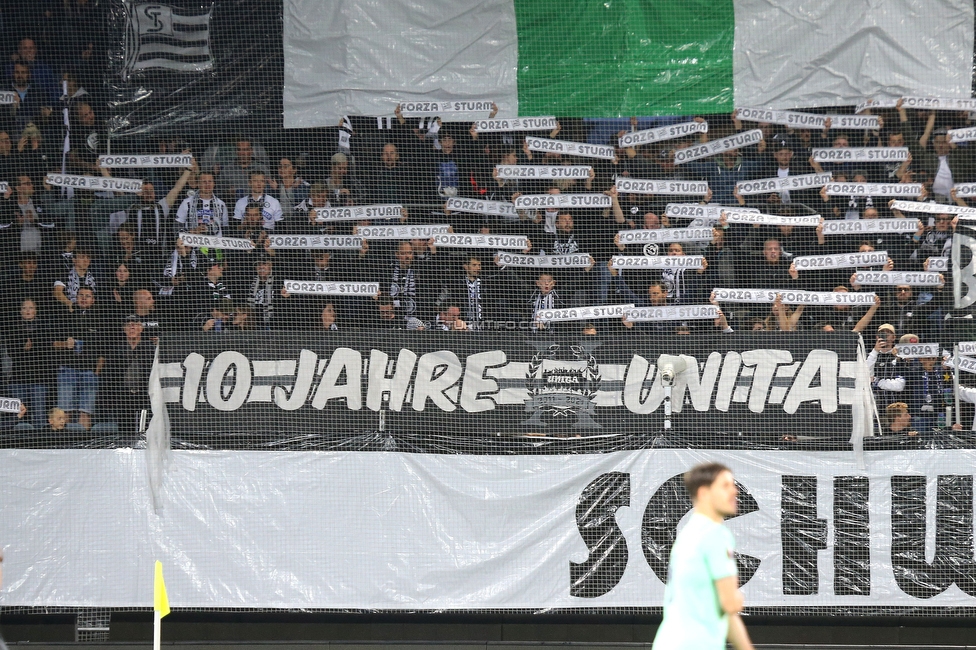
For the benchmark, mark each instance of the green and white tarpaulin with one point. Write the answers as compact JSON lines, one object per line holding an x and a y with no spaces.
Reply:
{"x":617,"y":57}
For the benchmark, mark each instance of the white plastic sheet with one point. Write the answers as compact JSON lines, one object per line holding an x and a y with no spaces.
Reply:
{"x":837,"y":52}
{"x":361,"y":57}
{"x":397,"y":531}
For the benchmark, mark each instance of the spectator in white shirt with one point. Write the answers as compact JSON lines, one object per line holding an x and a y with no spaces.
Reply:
{"x":270,"y":207}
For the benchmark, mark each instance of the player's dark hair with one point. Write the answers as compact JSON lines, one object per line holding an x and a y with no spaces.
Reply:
{"x":701,"y":476}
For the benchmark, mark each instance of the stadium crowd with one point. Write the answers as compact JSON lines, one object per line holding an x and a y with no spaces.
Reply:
{"x":94,"y":277}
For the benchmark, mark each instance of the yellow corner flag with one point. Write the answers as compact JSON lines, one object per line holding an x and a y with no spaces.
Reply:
{"x":160,"y":599}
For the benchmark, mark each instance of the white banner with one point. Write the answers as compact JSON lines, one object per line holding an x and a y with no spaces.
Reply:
{"x":9,"y":405}
{"x":792,"y":119}
{"x":855,"y":122}
{"x":517,"y":242}
{"x":647,"y":136}
{"x":516,"y":124}
{"x":570,"y":148}
{"x":4,"y":186}
{"x":577,"y":261}
{"x":962,"y":135}
{"x":939,"y":103}
{"x":359,"y":213}
{"x":698,"y":211}
{"x":933,"y":208}
{"x":476,"y":206}
{"x":897,"y":277}
{"x":736,"y":141}
{"x":873,"y":189}
{"x":792,"y":297}
{"x":800,"y":182}
{"x":649,"y":186}
{"x":966,"y":347}
{"x":146,"y":160}
{"x":98,"y":183}
{"x":918,"y":350}
{"x":966,"y":364}
{"x":657,"y":261}
{"x":439,"y":531}
{"x":664,"y":235}
{"x":312,"y":242}
{"x":840,"y":261}
{"x":860,"y":154}
{"x":544,"y":171}
{"x":679,"y":312}
{"x":413,"y":108}
{"x":583,"y":313}
{"x":591,"y":200}
{"x":402,"y":232}
{"x":965,"y":190}
{"x":212,"y":241}
{"x":311,"y":288}
{"x":8,"y":97}
{"x":742,"y":216}
{"x":937,"y":264}
{"x":858,"y":226}
{"x":875,"y":103}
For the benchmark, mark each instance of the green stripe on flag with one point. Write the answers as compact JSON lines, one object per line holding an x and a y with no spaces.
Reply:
{"x":592,"y":58}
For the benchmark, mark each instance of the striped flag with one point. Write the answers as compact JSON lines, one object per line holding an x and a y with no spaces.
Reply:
{"x":166,"y":37}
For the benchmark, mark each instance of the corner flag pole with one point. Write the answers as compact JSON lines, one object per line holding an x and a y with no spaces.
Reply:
{"x":160,"y":604}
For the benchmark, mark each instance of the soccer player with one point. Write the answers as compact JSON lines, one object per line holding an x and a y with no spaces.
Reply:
{"x":702,"y":600}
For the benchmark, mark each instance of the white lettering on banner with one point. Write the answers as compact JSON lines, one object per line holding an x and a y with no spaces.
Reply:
{"x":516,"y":124}
{"x":312,"y":242}
{"x":577,"y":261}
{"x":962,"y":135}
{"x":657,"y":261}
{"x":736,"y":141}
{"x":858,"y":226}
{"x":4,"y":186}
{"x":965,"y":190}
{"x":544,"y":171}
{"x":791,"y":297}
{"x":211,"y":241}
{"x":840,"y":261}
{"x":570,"y":148}
{"x":918,"y":350}
{"x":583,"y":313}
{"x":100,"y":183}
{"x":741,"y":216}
{"x":366,"y":289}
{"x":786,"y":118}
{"x":401,"y":232}
{"x":439,"y":108}
{"x":8,"y":97}
{"x":966,"y":347}
{"x":494,"y":208}
{"x":898,"y":277}
{"x":873,"y":189}
{"x":359,"y":213}
{"x":856,"y":122}
{"x":146,"y":160}
{"x":592,"y":200}
{"x":800,"y":182}
{"x":698,"y":211}
{"x":9,"y":405}
{"x":860,"y":154}
{"x":480,"y":241}
{"x":937,"y":264}
{"x":682,"y":312}
{"x":933,"y":208}
{"x":650,"y":186}
{"x":663,"y":235}
{"x":648,"y":136}
{"x":939,"y":103}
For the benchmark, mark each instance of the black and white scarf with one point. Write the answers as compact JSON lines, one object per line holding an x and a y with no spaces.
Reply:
{"x":474,"y":313}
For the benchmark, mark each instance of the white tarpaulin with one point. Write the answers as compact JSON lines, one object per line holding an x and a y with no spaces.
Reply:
{"x":837,"y":52}
{"x":395,"y":531}
{"x":359,"y":58}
